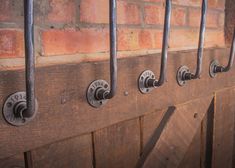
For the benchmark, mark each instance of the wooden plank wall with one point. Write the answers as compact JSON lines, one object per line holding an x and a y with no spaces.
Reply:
{"x":184,"y":127}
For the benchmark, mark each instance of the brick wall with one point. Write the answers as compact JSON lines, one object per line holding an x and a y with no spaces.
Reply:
{"x":69,"y":31}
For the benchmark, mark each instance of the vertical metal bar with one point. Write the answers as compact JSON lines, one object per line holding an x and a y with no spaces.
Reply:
{"x":165,"y":40}
{"x":113,"y":48}
{"x":232,"y":54}
{"x":147,"y":80}
{"x":216,"y":68}
{"x":184,"y":74}
{"x":201,"y":39}
{"x":29,"y":57}
{"x":99,"y":91}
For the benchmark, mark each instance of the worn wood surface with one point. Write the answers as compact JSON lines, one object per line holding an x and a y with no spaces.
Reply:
{"x":224,"y":128}
{"x":64,"y":112}
{"x":192,"y":158}
{"x":118,"y":146}
{"x":72,"y":153}
{"x":178,"y":134}
{"x":16,"y":161}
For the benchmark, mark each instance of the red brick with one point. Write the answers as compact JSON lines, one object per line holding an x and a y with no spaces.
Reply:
{"x":11,"y":43}
{"x":11,"y":11}
{"x":187,"y":2}
{"x":62,"y":11}
{"x":178,"y":17}
{"x":128,"y":13}
{"x":98,"y":12}
{"x":183,"y":38}
{"x":94,"y":11}
{"x":186,"y":38}
{"x":154,"y":14}
{"x":146,"y":39}
{"x":128,"y":39}
{"x":222,"y":19}
{"x":65,"y":42}
{"x":5,"y":10}
{"x":150,"y":39}
{"x":195,"y":18}
{"x":219,"y":4}
{"x":153,"y":0}
{"x":214,"y":38}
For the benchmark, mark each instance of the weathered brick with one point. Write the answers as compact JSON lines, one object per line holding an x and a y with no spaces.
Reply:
{"x":214,"y":38}
{"x":128,"y":13}
{"x":195,"y":18}
{"x":154,"y":14}
{"x":11,"y":11}
{"x":220,"y":4}
{"x":178,"y":16}
{"x":187,"y":2}
{"x":188,"y":38}
{"x":5,"y":10}
{"x":62,"y":11}
{"x":128,"y":39}
{"x":183,"y":38}
{"x":11,"y":43}
{"x":98,"y":12}
{"x":66,"y":42}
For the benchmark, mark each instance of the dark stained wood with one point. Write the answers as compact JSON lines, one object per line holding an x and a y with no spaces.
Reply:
{"x":224,"y":128}
{"x":71,"y":153}
{"x":118,"y":146}
{"x":64,"y":112}
{"x":178,"y":134}
{"x":16,"y":161}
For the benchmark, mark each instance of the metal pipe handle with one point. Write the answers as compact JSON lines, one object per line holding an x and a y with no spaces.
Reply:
{"x":216,"y":68}
{"x":21,"y":107}
{"x":184,"y":73}
{"x":99,"y":91}
{"x":147,"y":80}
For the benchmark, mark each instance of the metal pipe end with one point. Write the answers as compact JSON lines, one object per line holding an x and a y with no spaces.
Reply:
{"x":212,"y":68}
{"x":15,"y":109}
{"x":183,"y":74}
{"x":146,"y":81}
{"x":97,"y":93}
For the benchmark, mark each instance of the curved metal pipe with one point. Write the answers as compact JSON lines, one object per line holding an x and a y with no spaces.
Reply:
{"x":113,"y":48}
{"x":216,"y":68}
{"x":201,"y":40}
{"x":184,"y":73}
{"x":21,"y":107}
{"x":232,"y":53}
{"x":29,"y":58}
{"x":147,"y":79}
{"x":165,"y":40}
{"x":99,"y":91}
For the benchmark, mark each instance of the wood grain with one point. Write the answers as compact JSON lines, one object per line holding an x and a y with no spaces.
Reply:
{"x":61,"y":93}
{"x":192,"y":158}
{"x":72,"y":153}
{"x":224,"y":128}
{"x":178,"y":134}
{"x":16,"y":161}
{"x":118,"y":146}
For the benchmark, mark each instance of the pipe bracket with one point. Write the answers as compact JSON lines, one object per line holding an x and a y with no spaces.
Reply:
{"x":14,"y":108}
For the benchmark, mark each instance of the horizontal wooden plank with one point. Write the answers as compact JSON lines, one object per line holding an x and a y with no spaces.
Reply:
{"x":73,"y":153}
{"x":64,"y":111}
{"x":16,"y":161}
